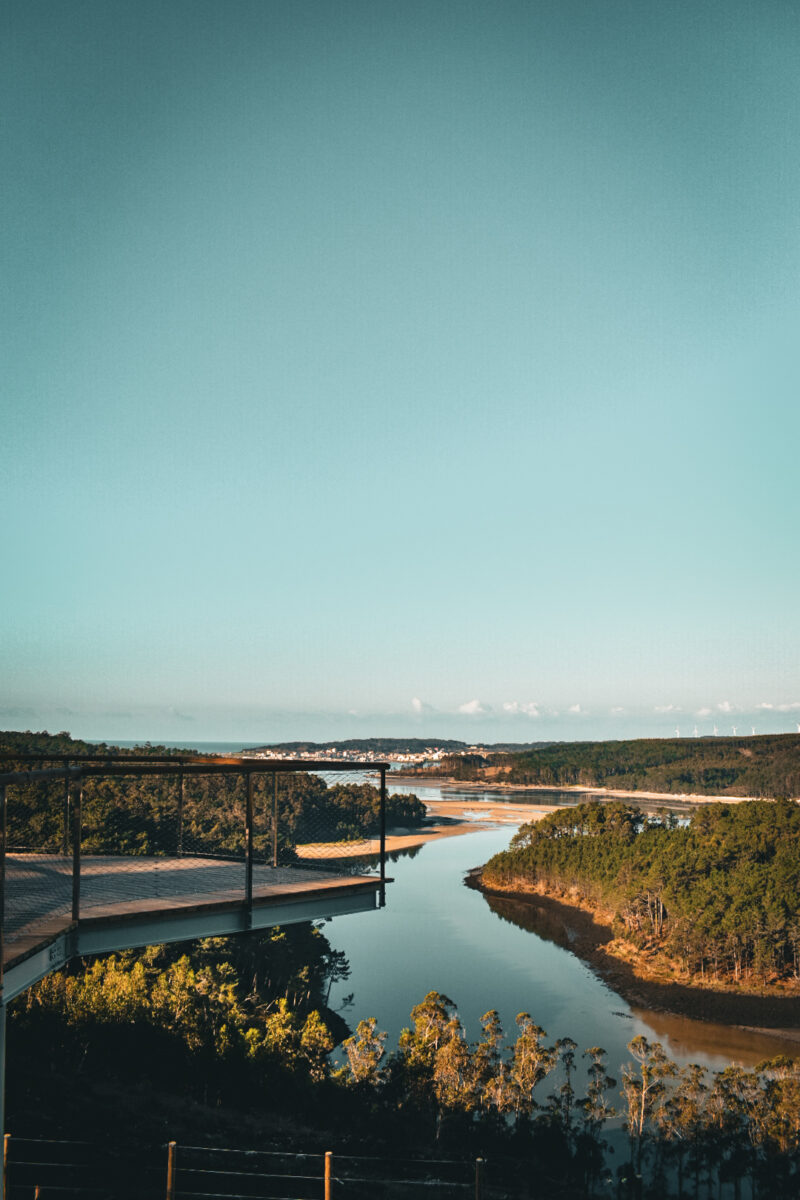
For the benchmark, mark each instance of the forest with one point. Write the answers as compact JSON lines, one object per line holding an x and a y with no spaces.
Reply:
{"x":760,"y":767}
{"x":230,"y":1040}
{"x":720,"y":894}
{"x":139,"y":815}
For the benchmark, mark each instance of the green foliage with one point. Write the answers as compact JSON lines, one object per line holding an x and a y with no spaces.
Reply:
{"x":198,"y":1019}
{"x":766,"y":766}
{"x":139,"y":814}
{"x":721,"y":892}
{"x":227,"y":1015}
{"x":755,"y":766}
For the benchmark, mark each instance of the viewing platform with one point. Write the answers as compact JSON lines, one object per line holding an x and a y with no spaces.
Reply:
{"x":109,"y":854}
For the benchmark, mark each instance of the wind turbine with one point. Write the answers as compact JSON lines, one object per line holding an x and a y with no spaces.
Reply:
{"x":695,"y":734}
{"x":733,"y":727}
{"x":716,"y":731}
{"x":677,"y":732}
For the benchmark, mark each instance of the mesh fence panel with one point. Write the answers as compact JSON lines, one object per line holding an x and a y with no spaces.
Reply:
{"x":127,"y":1172}
{"x":150,"y":834}
{"x":330,"y":821}
{"x":38,"y":869}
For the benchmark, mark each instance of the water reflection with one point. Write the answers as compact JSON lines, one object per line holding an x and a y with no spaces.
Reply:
{"x":681,"y":1036}
{"x":437,"y":934}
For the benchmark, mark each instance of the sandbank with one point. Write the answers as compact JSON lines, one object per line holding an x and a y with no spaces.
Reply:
{"x":446,"y":818}
{"x":493,"y":785}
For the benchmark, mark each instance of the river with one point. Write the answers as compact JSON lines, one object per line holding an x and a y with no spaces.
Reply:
{"x":435,"y":934}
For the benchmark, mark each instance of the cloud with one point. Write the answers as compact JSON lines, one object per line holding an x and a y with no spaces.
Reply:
{"x":793,"y":707}
{"x":473,"y":708}
{"x":667,"y":708}
{"x":703,"y":712}
{"x":419,"y":706}
{"x":617,"y":709}
{"x":515,"y":708}
{"x":725,"y":706}
{"x":575,"y":710}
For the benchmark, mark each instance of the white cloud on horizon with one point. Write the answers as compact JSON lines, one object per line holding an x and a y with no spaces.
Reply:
{"x":793,"y":707}
{"x":420,"y":706}
{"x":514,"y":707}
{"x":575,"y":710}
{"x":704,"y":712}
{"x":668,"y":708}
{"x":616,"y":710}
{"x":473,"y":708}
{"x":725,"y":706}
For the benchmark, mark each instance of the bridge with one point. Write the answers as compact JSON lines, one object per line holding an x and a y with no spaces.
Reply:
{"x":99,"y":854}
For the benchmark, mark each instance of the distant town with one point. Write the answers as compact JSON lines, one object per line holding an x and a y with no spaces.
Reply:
{"x":405,"y":755}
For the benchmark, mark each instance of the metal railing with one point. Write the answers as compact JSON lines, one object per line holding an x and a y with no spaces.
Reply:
{"x":88,"y":836}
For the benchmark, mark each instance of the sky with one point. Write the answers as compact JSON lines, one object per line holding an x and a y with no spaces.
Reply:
{"x":400,"y":369}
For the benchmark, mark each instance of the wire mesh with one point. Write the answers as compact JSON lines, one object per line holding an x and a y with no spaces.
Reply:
{"x":38,"y":868}
{"x":204,"y":1171}
{"x":122,"y":1171}
{"x":139,"y":834}
{"x":67,"y":1168}
{"x":331,"y":821}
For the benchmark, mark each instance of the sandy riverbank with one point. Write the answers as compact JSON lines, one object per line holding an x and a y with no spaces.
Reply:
{"x":642,"y":981}
{"x":446,"y":818}
{"x":485,"y":785}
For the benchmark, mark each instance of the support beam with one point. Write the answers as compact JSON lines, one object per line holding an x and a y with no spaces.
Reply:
{"x":2,"y":1089}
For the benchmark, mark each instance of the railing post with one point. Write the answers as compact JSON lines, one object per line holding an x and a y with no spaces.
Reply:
{"x":65,"y":814}
{"x":76,"y":852}
{"x":248,"y":849}
{"x":3,"y":838}
{"x":383,"y":837}
{"x":328,"y":1175}
{"x":3,"y":1096}
{"x":171,"y":1165}
{"x":274,"y":818}
{"x":180,"y":812}
{"x":478,"y":1178}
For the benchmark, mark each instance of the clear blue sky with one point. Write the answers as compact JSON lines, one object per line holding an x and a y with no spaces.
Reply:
{"x":378,"y":368}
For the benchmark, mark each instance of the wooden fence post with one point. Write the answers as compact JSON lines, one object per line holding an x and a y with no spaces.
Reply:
{"x":171,"y":1150}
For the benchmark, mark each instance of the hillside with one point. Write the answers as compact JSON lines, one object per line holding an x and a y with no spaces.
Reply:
{"x":767,"y":766}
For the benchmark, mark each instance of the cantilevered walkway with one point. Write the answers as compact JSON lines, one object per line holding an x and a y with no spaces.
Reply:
{"x":109,"y":854}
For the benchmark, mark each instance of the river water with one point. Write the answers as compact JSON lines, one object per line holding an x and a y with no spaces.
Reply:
{"x":435,"y":934}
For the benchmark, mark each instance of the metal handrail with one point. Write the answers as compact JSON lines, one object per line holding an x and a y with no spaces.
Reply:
{"x":101,"y":766}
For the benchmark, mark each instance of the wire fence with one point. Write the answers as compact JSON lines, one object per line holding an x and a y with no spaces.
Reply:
{"x":94,"y":838}
{"x":63,"y":1168}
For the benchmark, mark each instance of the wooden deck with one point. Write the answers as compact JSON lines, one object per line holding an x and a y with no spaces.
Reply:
{"x":130,"y":902}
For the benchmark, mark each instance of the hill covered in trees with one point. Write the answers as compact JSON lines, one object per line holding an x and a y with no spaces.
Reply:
{"x":767,"y":766}
{"x":719,"y":895}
